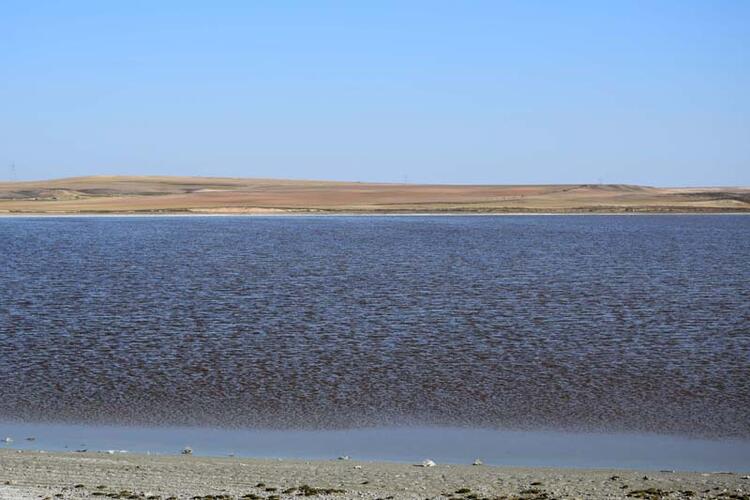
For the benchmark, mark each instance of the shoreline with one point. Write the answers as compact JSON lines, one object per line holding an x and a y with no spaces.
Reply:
{"x":356,"y":214}
{"x":67,"y":475}
{"x":407,"y":444}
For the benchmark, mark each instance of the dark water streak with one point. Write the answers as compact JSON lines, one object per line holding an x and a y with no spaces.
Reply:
{"x":590,"y":323}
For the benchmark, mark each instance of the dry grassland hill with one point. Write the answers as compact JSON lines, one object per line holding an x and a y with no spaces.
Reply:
{"x":151,"y":194}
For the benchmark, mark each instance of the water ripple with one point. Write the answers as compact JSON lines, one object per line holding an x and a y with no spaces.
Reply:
{"x":582,"y":323}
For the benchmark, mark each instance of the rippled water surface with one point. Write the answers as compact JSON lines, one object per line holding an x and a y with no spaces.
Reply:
{"x":617,"y":323}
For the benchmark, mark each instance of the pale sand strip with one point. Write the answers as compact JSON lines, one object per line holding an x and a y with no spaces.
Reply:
{"x":33,"y":475}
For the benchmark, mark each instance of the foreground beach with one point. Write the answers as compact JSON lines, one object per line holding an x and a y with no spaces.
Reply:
{"x":35,"y":474}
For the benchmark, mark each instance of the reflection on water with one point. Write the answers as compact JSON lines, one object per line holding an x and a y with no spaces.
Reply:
{"x":578,"y":323}
{"x":443,"y":445}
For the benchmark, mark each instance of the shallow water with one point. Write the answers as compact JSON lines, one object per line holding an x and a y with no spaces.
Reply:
{"x":412,"y":445}
{"x":604,"y":323}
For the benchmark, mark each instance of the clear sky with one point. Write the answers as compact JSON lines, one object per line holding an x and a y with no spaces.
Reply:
{"x":646,"y":92}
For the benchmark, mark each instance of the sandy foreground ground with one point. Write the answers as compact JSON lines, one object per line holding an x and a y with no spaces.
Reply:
{"x":34,"y":475}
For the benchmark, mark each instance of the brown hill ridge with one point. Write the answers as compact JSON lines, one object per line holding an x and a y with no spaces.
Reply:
{"x":151,"y":194}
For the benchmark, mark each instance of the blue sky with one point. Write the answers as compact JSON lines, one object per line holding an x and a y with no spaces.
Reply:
{"x":653,"y":93}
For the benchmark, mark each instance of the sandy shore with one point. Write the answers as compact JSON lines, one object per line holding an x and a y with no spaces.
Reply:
{"x":33,"y":475}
